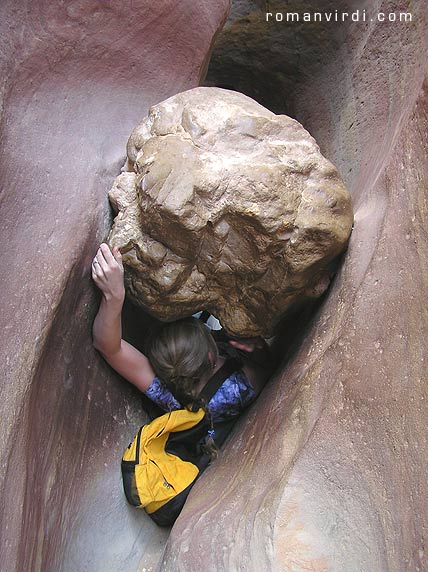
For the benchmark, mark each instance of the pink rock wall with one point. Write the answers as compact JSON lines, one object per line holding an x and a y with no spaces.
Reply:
{"x":75,"y":78}
{"x":328,"y":471}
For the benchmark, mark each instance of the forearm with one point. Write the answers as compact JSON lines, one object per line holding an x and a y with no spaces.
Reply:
{"x":107,"y":328}
{"x":262,"y":356}
{"x":259,"y":366}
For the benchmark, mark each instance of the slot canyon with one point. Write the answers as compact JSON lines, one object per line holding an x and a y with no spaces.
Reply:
{"x":326,"y":471}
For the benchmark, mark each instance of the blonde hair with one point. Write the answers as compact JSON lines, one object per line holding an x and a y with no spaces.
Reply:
{"x":181,"y":353}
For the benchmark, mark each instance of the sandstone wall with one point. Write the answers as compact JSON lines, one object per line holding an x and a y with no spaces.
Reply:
{"x":75,"y":78}
{"x":327,"y":472}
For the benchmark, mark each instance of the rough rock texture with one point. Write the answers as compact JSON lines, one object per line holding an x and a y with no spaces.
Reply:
{"x":75,"y":78}
{"x":228,"y":208}
{"x":328,"y":471}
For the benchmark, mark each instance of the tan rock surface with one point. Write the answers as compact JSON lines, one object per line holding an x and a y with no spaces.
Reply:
{"x":229,"y":208}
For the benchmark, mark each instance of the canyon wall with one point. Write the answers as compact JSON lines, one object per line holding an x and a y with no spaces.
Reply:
{"x":327,"y":470}
{"x":75,"y":78}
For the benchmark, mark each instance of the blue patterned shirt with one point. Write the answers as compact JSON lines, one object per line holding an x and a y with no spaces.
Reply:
{"x":233,"y":396}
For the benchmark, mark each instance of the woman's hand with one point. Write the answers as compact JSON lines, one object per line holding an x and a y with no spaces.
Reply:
{"x":259,"y":365}
{"x":247,"y":344}
{"x":107,"y":273}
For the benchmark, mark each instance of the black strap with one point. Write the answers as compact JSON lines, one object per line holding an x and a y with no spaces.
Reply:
{"x":214,"y":383}
{"x":204,"y":317}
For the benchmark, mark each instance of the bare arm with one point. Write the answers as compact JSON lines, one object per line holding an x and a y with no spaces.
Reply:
{"x":107,"y":273}
{"x":258,"y":360}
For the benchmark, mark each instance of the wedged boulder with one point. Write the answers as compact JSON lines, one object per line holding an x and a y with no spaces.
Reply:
{"x":227,"y":207}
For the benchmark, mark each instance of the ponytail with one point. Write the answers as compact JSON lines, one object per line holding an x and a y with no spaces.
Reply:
{"x":178,"y":386}
{"x":181,"y":353}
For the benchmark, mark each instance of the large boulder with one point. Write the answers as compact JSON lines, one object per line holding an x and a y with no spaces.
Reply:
{"x":228,"y":207}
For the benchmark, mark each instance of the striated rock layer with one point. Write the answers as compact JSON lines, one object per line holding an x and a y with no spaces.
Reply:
{"x":75,"y":78}
{"x":229,"y":208}
{"x":328,"y":471}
